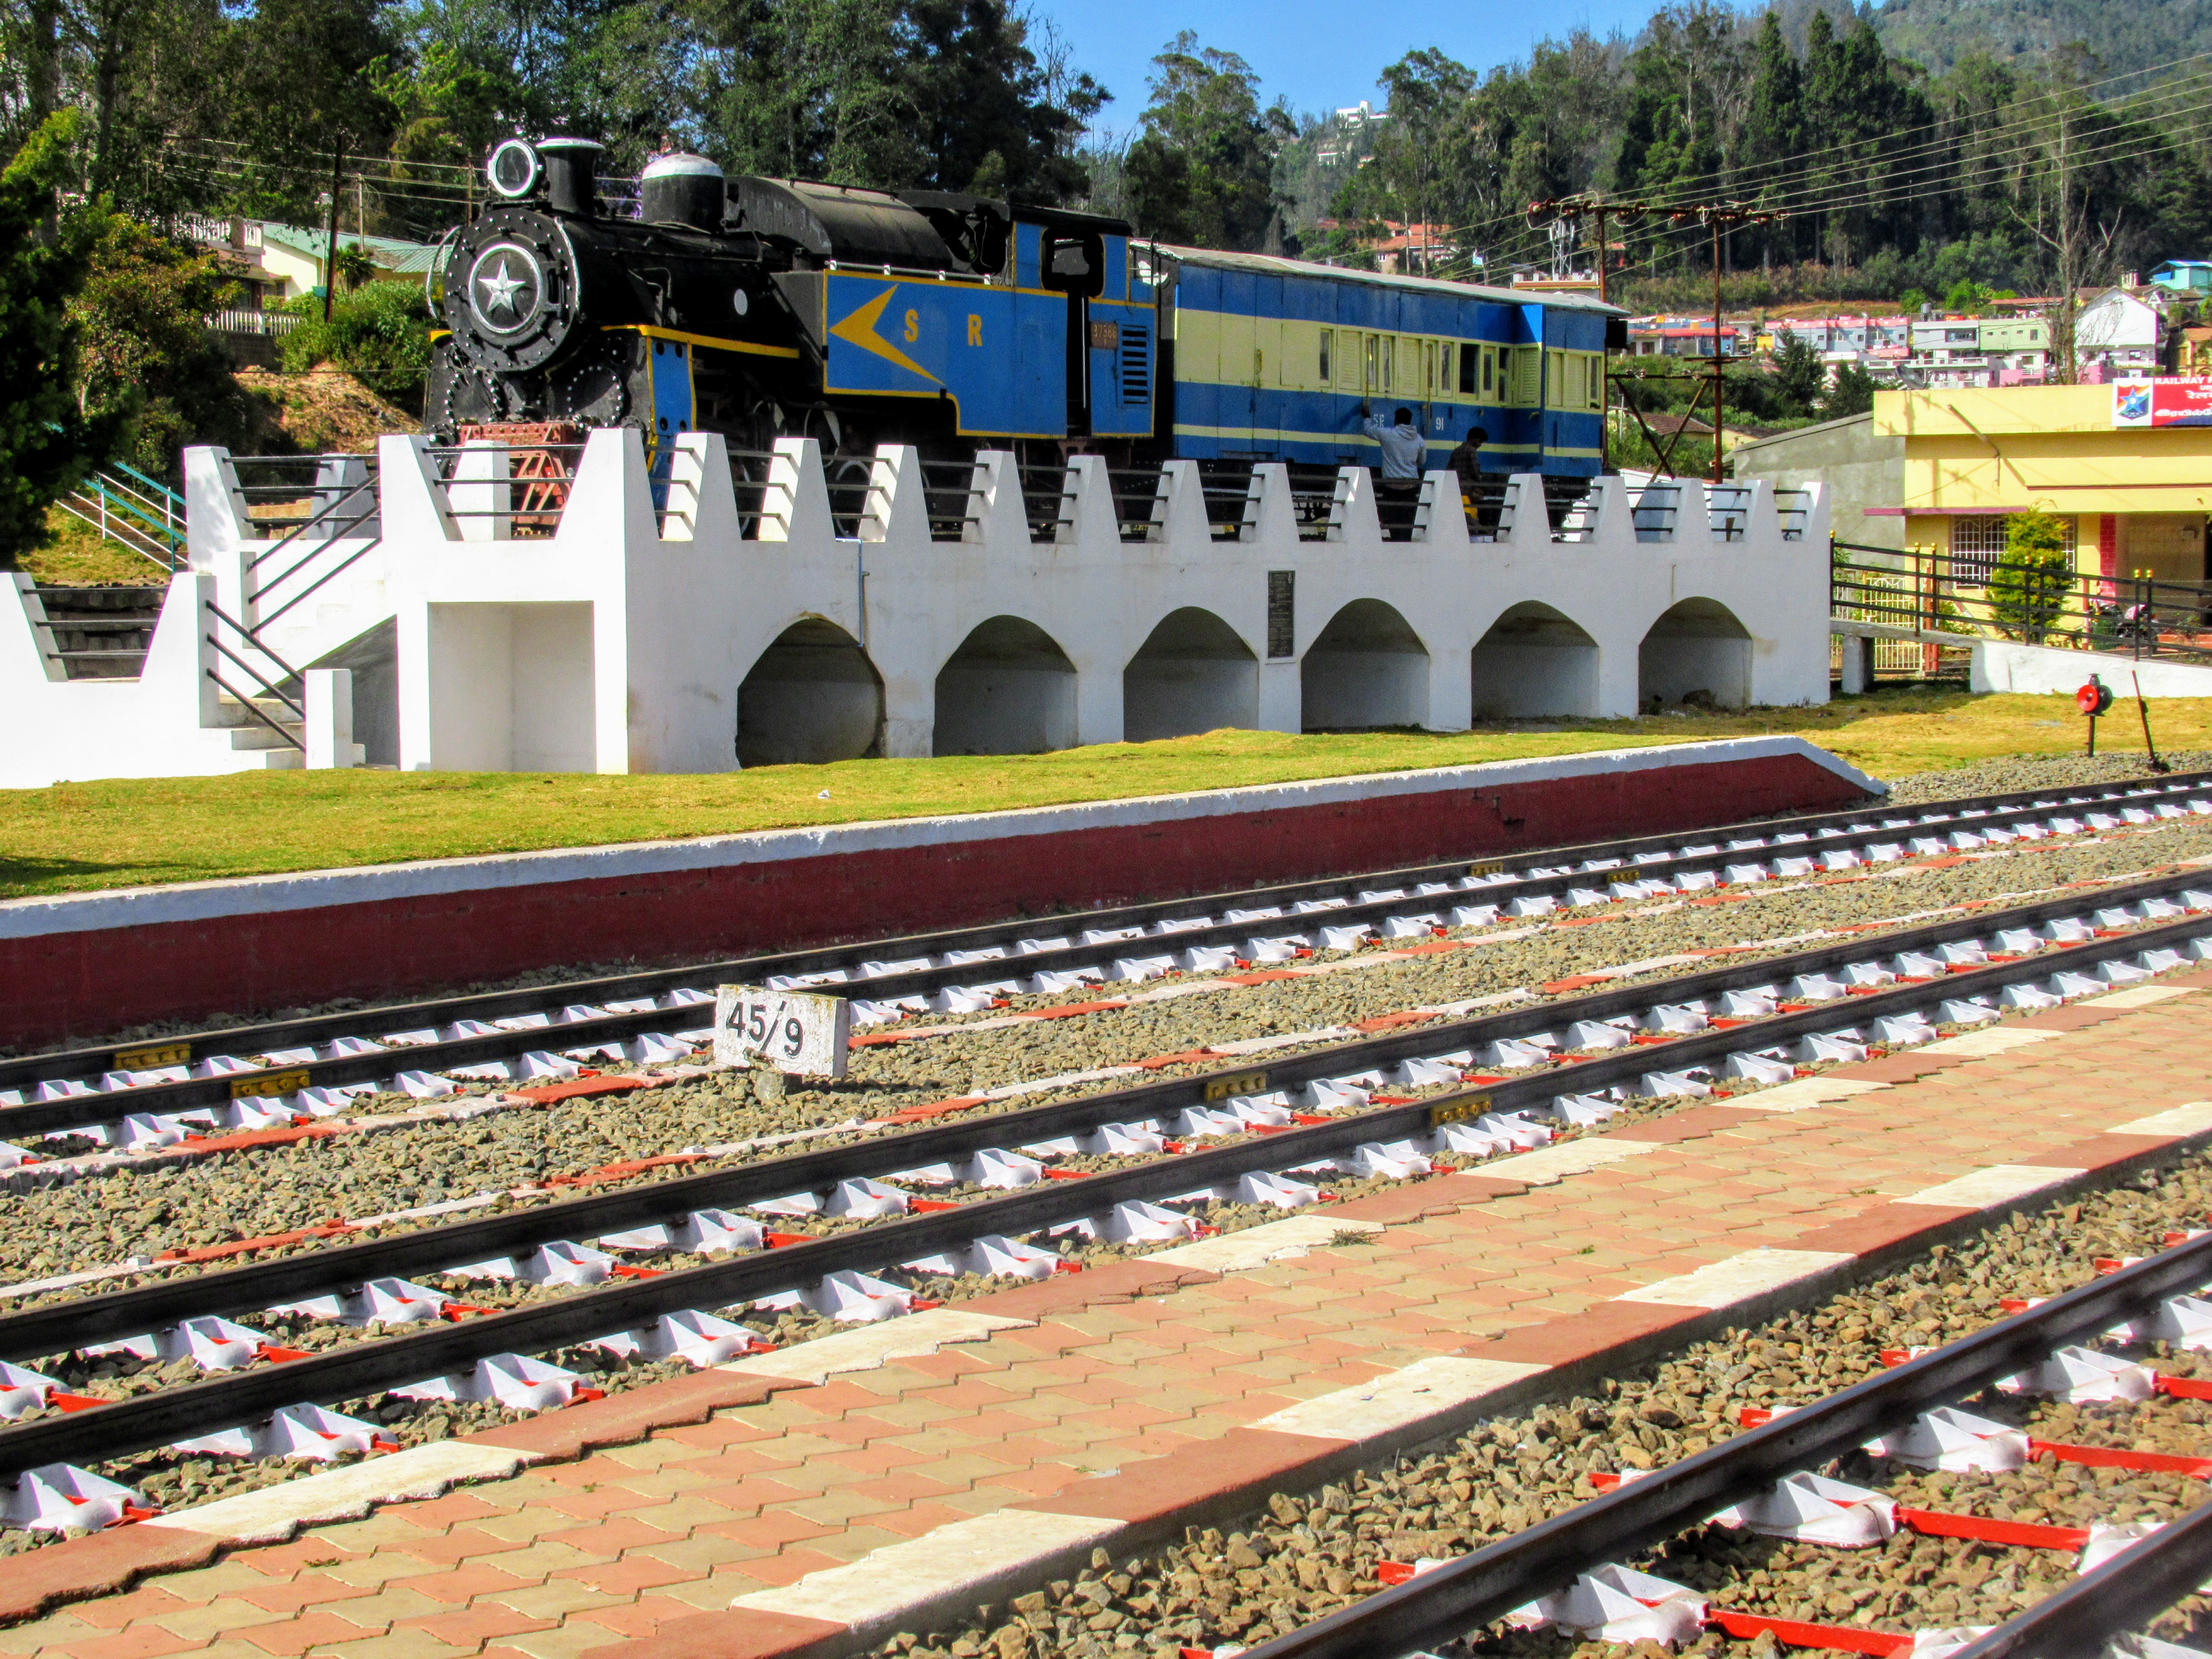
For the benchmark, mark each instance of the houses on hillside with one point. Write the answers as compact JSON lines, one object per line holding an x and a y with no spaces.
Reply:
{"x":274,"y":262}
{"x":2124,"y":332}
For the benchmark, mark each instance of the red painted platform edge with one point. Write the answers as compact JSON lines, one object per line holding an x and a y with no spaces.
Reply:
{"x":86,"y":983}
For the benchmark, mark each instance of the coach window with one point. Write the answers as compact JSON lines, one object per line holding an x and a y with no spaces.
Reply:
{"x":1327,"y":339}
{"x":1487,"y":353}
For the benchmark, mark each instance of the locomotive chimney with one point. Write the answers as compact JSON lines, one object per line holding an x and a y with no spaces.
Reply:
{"x":571,"y":184}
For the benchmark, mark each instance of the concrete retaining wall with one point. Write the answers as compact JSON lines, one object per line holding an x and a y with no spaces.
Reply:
{"x":88,"y":964}
{"x":2004,"y":665}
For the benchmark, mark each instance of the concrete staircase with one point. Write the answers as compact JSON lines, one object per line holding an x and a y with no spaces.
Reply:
{"x":265,"y":726}
{"x":102,"y":633}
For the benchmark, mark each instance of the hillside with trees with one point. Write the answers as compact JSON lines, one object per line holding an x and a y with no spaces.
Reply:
{"x":2017,"y":174}
{"x":1938,"y":32}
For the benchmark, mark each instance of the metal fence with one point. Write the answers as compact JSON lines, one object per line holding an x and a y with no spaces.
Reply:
{"x":1930,"y":592}
{"x":273,"y":324}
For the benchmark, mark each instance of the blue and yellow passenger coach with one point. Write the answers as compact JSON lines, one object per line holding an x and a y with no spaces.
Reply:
{"x":1272,"y":358}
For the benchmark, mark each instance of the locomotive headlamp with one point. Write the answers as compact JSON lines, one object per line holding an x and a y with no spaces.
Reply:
{"x":513,"y":169}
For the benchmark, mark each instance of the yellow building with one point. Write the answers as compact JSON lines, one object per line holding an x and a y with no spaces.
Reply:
{"x":2135,"y":496}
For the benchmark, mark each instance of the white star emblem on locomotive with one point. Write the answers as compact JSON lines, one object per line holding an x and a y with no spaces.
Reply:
{"x":500,"y":289}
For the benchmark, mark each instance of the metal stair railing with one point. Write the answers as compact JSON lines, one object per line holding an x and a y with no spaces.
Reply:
{"x":148,"y":521}
{"x":337,"y":520}
{"x":285,"y":669}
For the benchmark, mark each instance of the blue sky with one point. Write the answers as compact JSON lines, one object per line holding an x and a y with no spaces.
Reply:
{"x":1319,"y":54}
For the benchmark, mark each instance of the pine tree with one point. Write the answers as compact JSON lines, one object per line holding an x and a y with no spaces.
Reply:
{"x":1774,"y":124}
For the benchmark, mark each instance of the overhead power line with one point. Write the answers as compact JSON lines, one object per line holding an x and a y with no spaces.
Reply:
{"x":1877,"y":150}
{"x":1698,"y":184}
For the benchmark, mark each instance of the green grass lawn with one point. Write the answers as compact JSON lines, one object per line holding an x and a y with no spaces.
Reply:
{"x":134,"y":832}
{"x":77,"y":557}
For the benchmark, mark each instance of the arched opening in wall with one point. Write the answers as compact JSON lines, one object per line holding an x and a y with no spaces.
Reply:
{"x":1532,"y":664}
{"x":1009,"y":689}
{"x":1697,"y":653}
{"x":1367,"y":669}
{"x":1192,"y":674}
{"x":812,"y":696}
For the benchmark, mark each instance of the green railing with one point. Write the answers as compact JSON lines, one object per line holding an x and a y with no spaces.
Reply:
{"x":128,"y":507}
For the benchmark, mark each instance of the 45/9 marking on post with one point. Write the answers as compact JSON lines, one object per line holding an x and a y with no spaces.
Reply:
{"x":764,"y":1029}
{"x":795,"y":1031}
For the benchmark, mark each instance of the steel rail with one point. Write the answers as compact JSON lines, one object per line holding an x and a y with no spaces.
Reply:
{"x":1446,"y":1602}
{"x":2119,"y":1596}
{"x":357,"y":1369}
{"x":38,"y":1332}
{"x":111,"y":1107}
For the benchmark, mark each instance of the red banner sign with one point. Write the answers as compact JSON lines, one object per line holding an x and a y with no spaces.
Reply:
{"x":2181,"y":401}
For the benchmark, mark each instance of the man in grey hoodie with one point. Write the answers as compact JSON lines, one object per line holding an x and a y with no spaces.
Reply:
{"x":1404,"y":449}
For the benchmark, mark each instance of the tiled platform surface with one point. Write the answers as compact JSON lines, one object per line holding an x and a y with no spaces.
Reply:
{"x":1097,"y":1407}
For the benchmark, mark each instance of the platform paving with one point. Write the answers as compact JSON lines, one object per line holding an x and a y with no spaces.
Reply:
{"x":1118,"y":1405}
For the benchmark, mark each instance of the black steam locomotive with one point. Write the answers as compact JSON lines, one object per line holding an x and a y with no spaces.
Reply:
{"x":761,"y":308}
{"x":767,"y":308}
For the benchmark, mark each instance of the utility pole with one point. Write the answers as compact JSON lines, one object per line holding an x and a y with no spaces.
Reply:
{"x":1571,"y":209}
{"x":330,"y":247}
{"x":1719,"y":426}
{"x":1597,"y":208}
{"x":1719,"y":217}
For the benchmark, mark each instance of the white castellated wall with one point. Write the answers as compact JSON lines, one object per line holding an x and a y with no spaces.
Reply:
{"x":617,"y":634}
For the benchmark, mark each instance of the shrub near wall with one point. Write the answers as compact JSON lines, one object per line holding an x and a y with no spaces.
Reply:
{"x":2031,"y":585}
{"x":379,"y":333}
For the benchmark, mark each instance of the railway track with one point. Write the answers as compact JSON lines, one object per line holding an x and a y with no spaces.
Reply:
{"x":1569,"y":1574}
{"x":1809,"y":1485}
{"x":1384,"y":1105}
{"x":155,"y":1091}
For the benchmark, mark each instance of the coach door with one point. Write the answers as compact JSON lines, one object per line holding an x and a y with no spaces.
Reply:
{"x":1264,"y":401}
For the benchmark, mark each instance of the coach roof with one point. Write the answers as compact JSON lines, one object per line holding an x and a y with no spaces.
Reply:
{"x":1271,"y":265}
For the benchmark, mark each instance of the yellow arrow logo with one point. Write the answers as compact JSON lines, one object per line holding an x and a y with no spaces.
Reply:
{"x":859,"y":329}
